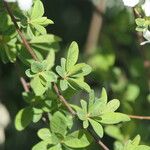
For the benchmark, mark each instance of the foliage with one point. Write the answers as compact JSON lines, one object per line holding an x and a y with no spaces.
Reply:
{"x":49,"y":81}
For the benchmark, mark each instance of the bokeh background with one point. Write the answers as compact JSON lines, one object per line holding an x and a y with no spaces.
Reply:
{"x":105,"y":31}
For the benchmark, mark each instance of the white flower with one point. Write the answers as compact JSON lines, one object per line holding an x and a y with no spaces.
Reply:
{"x":130,"y":3}
{"x":146,"y":7}
{"x":25,"y":5}
{"x":10,"y":0}
{"x":146,"y":35}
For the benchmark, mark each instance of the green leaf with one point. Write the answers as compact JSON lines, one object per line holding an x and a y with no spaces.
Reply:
{"x":140,"y":21}
{"x":136,"y":140}
{"x":47,"y":38}
{"x":37,"y":67}
{"x":114,"y":131}
{"x":132,"y":92}
{"x":81,"y":84}
{"x":104,"y":95}
{"x":45,"y":134}
{"x":91,"y":99}
{"x":50,"y":59}
{"x":41,"y":146}
{"x":97,"y":108}
{"x":85,"y":124}
{"x":82,"y":115}
{"x":142,"y":147}
{"x":29,"y":73}
{"x":113,"y":118}
{"x":58,"y":123}
{"x":60,"y":71}
{"x":72,"y":56}
{"x":56,"y":147}
{"x":78,"y":139}
{"x":43,"y":21}
{"x":37,"y":86}
{"x":97,"y":127}
{"x":38,"y":10}
{"x":79,"y":70}
{"x":23,"y":118}
{"x":84,"y":106}
{"x":118,"y":145}
{"x":112,"y":106}
{"x":39,"y":28}
{"x":36,"y":118}
{"x":63,"y":85}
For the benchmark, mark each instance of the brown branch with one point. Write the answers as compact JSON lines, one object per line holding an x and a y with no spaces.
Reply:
{"x":24,"y":84}
{"x":139,"y":117}
{"x":25,"y":42}
{"x":95,"y":28}
{"x":63,"y":100}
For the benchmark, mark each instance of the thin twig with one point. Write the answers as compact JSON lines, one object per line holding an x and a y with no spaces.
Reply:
{"x":25,"y":42}
{"x":63,"y":100}
{"x":24,"y":84}
{"x":98,"y":141}
{"x":140,"y":117}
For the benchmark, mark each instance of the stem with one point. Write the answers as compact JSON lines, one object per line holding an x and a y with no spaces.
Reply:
{"x":98,"y":141}
{"x":24,"y":84}
{"x":140,"y":117}
{"x":63,"y":100}
{"x":25,"y":42}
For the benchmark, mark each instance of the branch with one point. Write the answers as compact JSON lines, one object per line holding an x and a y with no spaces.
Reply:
{"x":24,"y":84}
{"x":25,"y":42}
{"x":95,"y":28}
{"x":63,"y":100}
{"x":28,"y":47}
{"x":140,"y":117}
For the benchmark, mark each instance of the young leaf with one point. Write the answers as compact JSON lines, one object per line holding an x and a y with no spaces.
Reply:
{"x":38,"y":10}
{"x":37,"y":86}
{"x":79,"y":70}
{"x":41,"y":146}
{"x":97,"y":127}
{"x":60,"y":71}
{"x":112,"y":106}
{"x":114,"y":132}
{"x":78,"y":139}
{"x":63,"y":85}
{"x":136,"y":140}
{"x":113,"y":118}
{"x":50,"y":59}
{"x":72,"y":56}
{"x":81,"y":84}
{"x":47,"y":38}
{"x":56,"y":147}
{"x":85,"y":124}
{"x":91,"y":99}
{"x":36,"y":117}
{"x":142,"y":147}
{"x":23,"y":118}
{"x":97,"y":108}
{"x":58,"y":123}
{"x":84,"y":106}
{"x":104,"y":95}
{"x":37,"y":67}
{"x":45,"y":134}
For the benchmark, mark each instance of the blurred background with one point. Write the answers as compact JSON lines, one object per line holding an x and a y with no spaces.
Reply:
{"x":105,"y":32}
